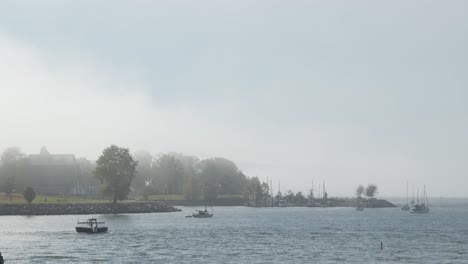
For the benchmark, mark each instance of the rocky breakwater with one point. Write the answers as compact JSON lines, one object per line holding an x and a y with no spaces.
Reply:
{"x":94,"y":208}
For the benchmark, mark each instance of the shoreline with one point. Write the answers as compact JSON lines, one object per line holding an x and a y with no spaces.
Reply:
{"x":84,"y":209}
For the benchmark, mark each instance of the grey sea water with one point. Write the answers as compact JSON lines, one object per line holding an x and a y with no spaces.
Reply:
{"x":244,"y":235}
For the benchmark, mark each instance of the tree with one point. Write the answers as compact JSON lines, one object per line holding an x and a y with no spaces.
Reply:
{"x":144,"y":173}
{"x":12,"y":167}
{"x":88,"y":180}
{"x":371,"y":190}
{"x":11,"y":155}
{"x":169,"y":172}
{"x":29,"y":194}
{"x":222,"y":172}
{"x":116,"y":170}
{"x":9,"y":184}
{"x":360,"y":191}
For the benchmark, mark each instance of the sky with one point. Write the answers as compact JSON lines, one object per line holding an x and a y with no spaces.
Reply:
{"x":341,"y":92}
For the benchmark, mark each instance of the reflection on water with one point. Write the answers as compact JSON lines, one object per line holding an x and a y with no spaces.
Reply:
{"x":244,"y":235}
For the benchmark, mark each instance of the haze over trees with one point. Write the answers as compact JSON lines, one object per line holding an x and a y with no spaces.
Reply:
{"x":12,"y":165}
{"x":117,"y":174}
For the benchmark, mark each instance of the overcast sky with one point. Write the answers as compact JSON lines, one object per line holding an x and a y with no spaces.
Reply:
{"x":346,"y":92}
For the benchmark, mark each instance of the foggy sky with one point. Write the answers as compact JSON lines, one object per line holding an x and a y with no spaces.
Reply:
{"x":346,"y":92}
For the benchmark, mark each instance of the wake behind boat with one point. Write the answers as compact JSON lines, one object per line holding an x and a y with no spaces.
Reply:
{"x":91,"y":226}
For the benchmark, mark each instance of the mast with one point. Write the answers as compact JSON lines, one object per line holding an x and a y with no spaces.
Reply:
{"x":417,"y":196}
{"x":324,"y":194}
{"x":406,"y":192}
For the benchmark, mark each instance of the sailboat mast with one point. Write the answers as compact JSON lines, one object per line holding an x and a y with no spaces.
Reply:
{"x":417,"y":196}
{"x":406,"y":192}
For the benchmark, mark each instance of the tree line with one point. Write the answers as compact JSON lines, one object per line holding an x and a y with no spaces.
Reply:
{"x":117,"y":173}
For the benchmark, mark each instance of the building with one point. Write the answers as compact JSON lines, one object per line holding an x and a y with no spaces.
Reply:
{"x":53,"y":174}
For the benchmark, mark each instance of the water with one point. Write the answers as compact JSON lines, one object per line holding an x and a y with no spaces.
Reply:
{"x":244,"y":235}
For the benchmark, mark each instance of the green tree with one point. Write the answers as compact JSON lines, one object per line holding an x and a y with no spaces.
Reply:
{"x":371,"y":191}
{"x":9,"y":185}
{"x":11,"y":155}
{"x":116,"y":170}
{"x":12,"y":168}
{"x":359,"y":191}
{"x":29,"y":194}
{"x":300,"y":199}
{"x":223,"y":173}
{"x":169,"y":173}
{"x":143,"y":176}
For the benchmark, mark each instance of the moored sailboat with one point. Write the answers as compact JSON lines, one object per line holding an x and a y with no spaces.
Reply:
{"x":423,"y":207}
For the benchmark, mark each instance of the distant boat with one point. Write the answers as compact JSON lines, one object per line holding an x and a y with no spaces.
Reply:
{"x":360,"y":207}
{"x":91,"y":226}
{"x":202,"y":213}
{"x":423,"y":207}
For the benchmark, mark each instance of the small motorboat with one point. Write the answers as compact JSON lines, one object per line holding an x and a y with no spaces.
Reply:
{"x":201,"y":214}
{"x":91,"y":226}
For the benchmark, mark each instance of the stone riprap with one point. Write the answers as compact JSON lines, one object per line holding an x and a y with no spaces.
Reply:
{"x":95,"y":208}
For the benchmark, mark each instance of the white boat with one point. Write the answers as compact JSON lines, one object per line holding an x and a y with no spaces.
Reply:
{"x":91,"y":226}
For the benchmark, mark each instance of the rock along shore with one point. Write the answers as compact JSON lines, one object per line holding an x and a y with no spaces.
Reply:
{"x":94,"y":208}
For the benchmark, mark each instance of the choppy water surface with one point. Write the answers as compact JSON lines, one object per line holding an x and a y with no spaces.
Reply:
{"x":244,"y":235}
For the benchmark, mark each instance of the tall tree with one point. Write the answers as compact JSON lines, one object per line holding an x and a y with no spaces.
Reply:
{"x":12,"y":155}
{"x":144,"y":175}
{"x":116,"y":170}
{"x":371,"y":190}
{"x":89,"y":181}
{"x":168,"y":172}
{"x":223,"y":173}
{"x":359,"y":191}
{"x":12,"y":163}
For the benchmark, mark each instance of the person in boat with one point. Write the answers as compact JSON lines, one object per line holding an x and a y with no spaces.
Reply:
{"x":94,"y":226}
{"x":1,"y":258}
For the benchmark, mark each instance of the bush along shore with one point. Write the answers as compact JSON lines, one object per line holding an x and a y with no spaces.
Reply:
{"x":93,"y":208}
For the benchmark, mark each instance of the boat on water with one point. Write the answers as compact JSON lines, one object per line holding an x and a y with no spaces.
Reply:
{"x":423,"y":206}
{"x":360,"y":207}
{"x":202,"y":214}
{"x":91,"y":226}
{"x":420,"y":209}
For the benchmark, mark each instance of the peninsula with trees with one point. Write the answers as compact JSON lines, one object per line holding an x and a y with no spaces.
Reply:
{"x":123,"y":182}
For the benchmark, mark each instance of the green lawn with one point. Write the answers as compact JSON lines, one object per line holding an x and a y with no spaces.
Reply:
{"x":46,"y":199}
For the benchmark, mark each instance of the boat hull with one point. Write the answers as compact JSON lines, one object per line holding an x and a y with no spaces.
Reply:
{"x":202,"y":216}
{"x":420,"y":212}
{"x":89,"y":230}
